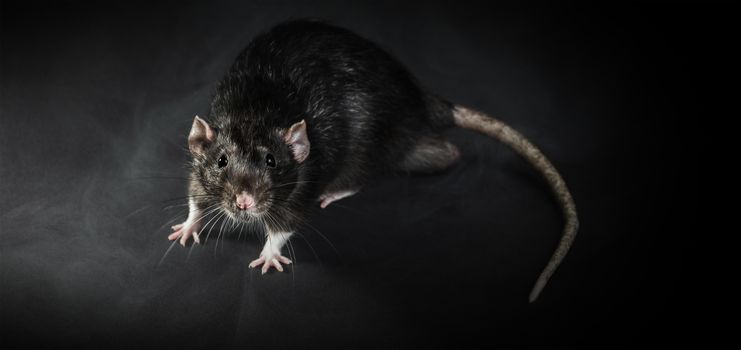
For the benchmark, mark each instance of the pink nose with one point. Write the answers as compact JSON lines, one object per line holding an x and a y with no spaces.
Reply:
{"x":245,"y":201}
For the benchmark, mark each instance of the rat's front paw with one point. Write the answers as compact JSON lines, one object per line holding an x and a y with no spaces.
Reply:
{"x":185,"y":231}
{"x":270,"y":259}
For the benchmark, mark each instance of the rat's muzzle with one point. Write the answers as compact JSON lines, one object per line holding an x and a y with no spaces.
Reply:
{"x":245,"y":201}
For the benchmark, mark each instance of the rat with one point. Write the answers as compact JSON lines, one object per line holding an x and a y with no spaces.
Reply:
{"x":308,"y":114}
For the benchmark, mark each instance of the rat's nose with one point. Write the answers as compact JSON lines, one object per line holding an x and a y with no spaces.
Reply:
{"x":245,"y":201}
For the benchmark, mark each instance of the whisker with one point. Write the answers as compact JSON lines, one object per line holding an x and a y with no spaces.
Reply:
{"x":310,"y":247}
{"x":166,"y":252}
{"x":219,"y":216}
{"x":175,"y":206}
{"x":192,"y":196}
{"x":206,"y":225}
{"x":190,"y":251}
{"x":293,"y":268}
{"x":304,"y":223}
{"x":291,"y":252}
{"x":241,"y":226}
{"x":155,"y":178}
{"x":171,"y":221}
{"x":292,"y":183}
{"x":221,"y":229}
{"x":324,"y":237}
{"x":176,"y":240}
{"x":136,"y":211}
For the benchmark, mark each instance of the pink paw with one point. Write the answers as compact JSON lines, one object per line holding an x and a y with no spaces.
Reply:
{"x":184,"y":231}
{"x":271,"y":260}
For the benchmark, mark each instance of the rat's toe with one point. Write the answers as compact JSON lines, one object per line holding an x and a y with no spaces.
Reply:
{"x":173,"y":236}
{"x":257,"y":262}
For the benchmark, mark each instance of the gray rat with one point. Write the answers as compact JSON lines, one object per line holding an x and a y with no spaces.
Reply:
{"x":309,"y":113}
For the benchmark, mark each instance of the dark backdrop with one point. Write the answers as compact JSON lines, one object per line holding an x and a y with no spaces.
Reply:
{"x":636,"y":104}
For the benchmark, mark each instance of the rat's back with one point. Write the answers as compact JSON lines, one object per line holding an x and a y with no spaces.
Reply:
{"x":361,"y":105}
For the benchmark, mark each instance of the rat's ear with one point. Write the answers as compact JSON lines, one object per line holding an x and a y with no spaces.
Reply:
{"x":297,"y":139}
{"x":200,"y":136}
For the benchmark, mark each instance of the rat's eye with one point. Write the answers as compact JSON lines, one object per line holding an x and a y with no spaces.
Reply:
{"x":222,"y":161}
{"x":269,"y":160}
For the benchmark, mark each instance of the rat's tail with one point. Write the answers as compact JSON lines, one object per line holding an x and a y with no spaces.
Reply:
{"x":474,"y":120}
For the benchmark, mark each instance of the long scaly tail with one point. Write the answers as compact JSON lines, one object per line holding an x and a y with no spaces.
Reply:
{"x":478,"y":121}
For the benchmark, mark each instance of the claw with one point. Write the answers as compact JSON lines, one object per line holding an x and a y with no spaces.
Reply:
{"x":267,"y":263}
{"x":257,"y":262}
{"x":184,"y":231}
{"x":173,"y":236}
{"x":277,"y":265}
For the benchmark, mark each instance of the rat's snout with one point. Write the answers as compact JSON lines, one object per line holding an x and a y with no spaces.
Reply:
{"x":245,"y":201}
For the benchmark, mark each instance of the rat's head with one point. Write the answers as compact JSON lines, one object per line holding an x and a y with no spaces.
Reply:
{"x":246,"y":172}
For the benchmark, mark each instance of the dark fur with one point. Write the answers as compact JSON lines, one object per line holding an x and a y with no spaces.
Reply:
{"x":365,"y":115}
{"x":364,"y":112}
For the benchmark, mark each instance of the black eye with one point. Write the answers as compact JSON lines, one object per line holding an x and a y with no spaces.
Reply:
{"x":222,"y":161}
{"x":269,"y":160}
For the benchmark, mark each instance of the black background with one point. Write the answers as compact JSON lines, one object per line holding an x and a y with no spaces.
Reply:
{"x":637,"y":104}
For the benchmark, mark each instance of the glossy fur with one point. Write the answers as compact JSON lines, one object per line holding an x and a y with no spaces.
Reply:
{"x":364,"y":113}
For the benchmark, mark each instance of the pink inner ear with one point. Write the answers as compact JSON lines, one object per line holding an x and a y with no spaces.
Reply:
{"x":298,"y":140}
{"x":209,"y":132}
{"x":200,"y":135}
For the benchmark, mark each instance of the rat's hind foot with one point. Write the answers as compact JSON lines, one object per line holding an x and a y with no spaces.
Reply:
{"x":184,"y":231}
{"x":270,"y":260}
{"x":328,"y":198}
